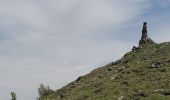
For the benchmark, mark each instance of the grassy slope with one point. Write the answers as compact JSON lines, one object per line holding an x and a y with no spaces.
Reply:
{"x":140,"y":75}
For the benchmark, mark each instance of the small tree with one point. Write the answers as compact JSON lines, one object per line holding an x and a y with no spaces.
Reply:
{"x":13,"y":95}
{"x":44,"y":91}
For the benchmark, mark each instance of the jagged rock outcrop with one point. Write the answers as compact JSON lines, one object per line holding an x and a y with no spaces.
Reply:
{"x":145,"y":39}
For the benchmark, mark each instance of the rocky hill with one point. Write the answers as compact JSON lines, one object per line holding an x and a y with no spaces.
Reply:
{"x":141,"y":74}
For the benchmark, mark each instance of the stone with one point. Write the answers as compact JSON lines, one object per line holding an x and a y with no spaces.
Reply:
{"x":119,"y":70}
{"x":134,"y":48}
{"x":141,"y":93}
{"x":79,"y":78}
{"x":115,"y":77}
{"x":100,"y":76}
{"x":110,"y":68}
{"x":158,"y":91}
{"x":145,"y":39}
{"x":156,"y":65}
{"x":166,"y":92}
{"x":120,"y":98}
{"x":98,"y":90}
{"x":162,"y":70}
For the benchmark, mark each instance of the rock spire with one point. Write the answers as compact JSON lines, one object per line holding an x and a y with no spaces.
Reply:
{"x":145,"y":39}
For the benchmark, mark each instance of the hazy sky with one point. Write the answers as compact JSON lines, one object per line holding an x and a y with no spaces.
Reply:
{"x":55,"y":41}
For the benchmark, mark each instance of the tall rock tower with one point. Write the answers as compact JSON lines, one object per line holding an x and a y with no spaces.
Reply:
{"x":145,"y":39}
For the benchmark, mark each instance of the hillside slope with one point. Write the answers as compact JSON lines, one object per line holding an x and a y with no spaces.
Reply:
{"x":139,"y":75}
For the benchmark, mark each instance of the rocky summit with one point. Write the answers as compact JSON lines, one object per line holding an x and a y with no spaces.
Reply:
{"x":141,"y":74}
{"x":145,"y":39}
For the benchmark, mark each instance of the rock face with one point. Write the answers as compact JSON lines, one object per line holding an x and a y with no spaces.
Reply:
{"x":145,"y":39}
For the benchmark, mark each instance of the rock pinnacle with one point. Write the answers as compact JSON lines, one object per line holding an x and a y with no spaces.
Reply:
{"x":145,"y":39}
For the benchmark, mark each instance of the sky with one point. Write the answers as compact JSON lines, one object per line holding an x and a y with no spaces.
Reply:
{"x":55,"y":41}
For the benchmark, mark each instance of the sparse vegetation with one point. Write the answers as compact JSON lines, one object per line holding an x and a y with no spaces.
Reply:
{"x":44,"y":91}
{"x":140,"y":75}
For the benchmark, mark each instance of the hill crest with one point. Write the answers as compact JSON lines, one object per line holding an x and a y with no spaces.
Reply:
{"x":141,"y":74}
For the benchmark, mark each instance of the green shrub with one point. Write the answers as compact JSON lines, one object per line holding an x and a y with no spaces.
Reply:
{"x":44,"y":91}
{"x":13,"y":95}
